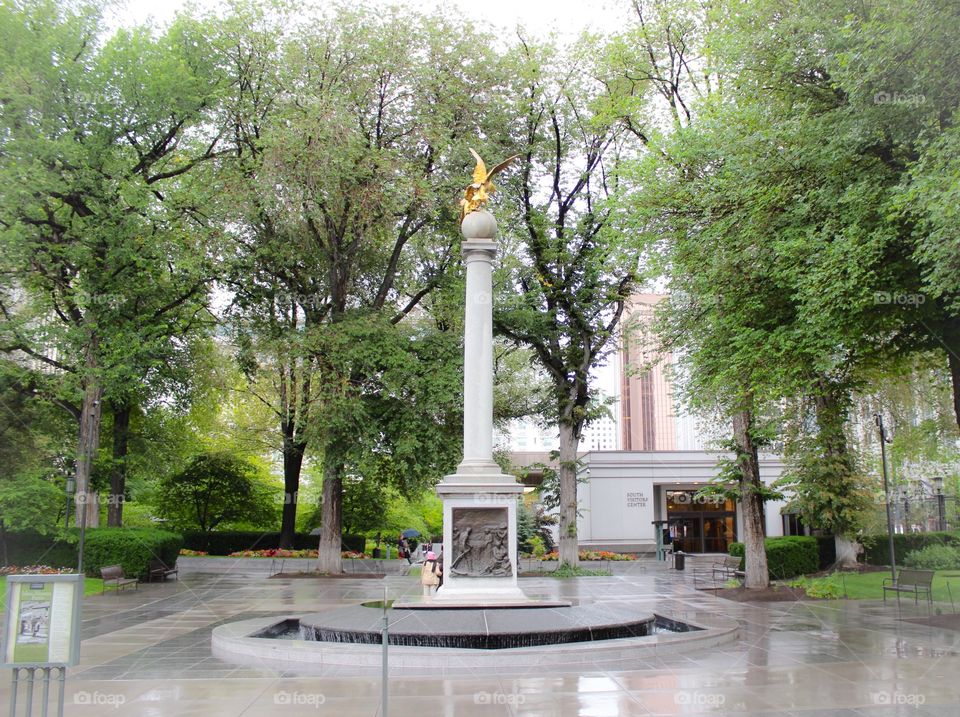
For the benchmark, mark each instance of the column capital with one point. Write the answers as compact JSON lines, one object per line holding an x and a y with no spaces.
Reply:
{"x":478,"y":250}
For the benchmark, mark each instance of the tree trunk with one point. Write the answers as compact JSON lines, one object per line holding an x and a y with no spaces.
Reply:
{"x":293,"y":451}
{"x":328,"y":560}
{"x":953,"y":355}
{"x":569,"y":544}
{"x":831,"y":403}
{"x":86,"y":499}
{"x":118,"y":472}
{"x":847,"y":552}
{"x":751,"y":502}
{"x":3,"y":543}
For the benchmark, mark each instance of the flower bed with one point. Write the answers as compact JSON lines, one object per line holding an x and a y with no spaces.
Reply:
{"x":274,"y":553}
{"x":192,"y":553}
{"x":595,"y":555}
{"x":34,"y":570}
{"x":281,"y":553}
{"x":354,"y":555}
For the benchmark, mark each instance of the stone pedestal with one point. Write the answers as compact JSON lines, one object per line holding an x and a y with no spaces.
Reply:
{"x":479,"y":500}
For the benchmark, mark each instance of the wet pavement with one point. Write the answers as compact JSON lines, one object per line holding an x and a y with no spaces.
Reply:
{"x":148,"y":653}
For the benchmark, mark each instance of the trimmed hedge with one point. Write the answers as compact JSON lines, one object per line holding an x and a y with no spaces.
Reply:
{"x":876,"y":548}
{"x":224,"y":542}
{"x":29,"y":548}
{"x":787,"y":557}
{"x":132,"y":548}
{"x":827,"y":548}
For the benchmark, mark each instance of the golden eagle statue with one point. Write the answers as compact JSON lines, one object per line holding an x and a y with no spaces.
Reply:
{"x":476,"y":195}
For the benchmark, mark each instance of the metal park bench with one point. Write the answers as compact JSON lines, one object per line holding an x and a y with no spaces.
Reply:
{"x":912,"y":582}
{"x":728,"y":567}
{"x":113,"y":577}
{"x":158,"y":569}
{"x":722,"y":569}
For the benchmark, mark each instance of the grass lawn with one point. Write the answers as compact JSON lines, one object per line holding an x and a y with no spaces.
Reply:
{"x":91,"y":586}
{"x":868,"y":586}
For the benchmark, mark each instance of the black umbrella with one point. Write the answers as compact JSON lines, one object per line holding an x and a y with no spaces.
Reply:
{"x":411,"y":533}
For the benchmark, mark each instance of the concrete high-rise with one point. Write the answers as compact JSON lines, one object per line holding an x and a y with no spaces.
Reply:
{"x":648,"y":419}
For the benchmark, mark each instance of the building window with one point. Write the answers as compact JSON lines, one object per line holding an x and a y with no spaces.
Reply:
{"x":792,"y":525}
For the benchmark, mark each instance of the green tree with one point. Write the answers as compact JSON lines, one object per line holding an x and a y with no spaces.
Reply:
{"x":569,"y":266}
{"x":32,"y":450}
{"x":780,"y":214}
{"x":103,"y":262}
{"x":359,"y":141}
{"x":214,"y":489}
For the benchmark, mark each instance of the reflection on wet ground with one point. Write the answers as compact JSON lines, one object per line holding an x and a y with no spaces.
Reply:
{"x":148,"y":653}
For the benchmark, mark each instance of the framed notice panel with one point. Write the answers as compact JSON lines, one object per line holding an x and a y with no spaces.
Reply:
{"x":41,"y":626}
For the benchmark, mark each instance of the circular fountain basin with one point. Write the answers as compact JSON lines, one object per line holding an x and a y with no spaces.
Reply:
{"x":275,"y":641}
{"x":479,"y":629}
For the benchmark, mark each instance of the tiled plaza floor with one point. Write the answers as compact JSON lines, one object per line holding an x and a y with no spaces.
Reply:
{"x":147,"y":653}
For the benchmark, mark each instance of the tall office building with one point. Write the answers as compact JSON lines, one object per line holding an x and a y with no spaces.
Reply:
{"x":647,"y":412}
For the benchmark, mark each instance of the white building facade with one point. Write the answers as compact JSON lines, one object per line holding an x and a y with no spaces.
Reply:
{"x":623,"y":493}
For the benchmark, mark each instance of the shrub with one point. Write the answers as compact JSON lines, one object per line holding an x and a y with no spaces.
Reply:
{"x":876,"y":548}
{"x":934,"y":557}
{"x":224,"y":542}
{"x":30,"y":548}
{"x":827,"y":548}
{"x":828,"y":588}
{"x":350,"y":543}
{"x":788,"y":556}
{"x":131,"y":548}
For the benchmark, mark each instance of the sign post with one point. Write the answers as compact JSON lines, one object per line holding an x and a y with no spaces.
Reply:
{"x":41,"y":631}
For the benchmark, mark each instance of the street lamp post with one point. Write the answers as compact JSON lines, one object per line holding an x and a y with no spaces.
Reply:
{"x":878,"y":419}
{"x":71,"y":486}
{"x":941,"y":503}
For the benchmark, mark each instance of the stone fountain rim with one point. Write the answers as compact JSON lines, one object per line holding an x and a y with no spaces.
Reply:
{"x":232,"y":642}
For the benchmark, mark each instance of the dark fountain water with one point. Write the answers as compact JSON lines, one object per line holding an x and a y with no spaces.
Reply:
{"x":476,"y":628}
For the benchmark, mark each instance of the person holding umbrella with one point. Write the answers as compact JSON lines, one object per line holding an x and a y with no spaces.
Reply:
{"x":406,"y":538}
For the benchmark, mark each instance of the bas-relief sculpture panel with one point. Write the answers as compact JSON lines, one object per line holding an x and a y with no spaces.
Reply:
{"x":480,"y":543}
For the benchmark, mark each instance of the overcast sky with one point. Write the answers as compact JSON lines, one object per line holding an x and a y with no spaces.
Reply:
{"x":565,"y":17}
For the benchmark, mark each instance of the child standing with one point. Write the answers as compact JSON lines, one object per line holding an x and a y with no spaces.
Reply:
{"x":430,"y":574}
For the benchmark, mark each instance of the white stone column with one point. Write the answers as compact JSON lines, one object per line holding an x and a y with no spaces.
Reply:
{"x":478,"y":484}
{"x":478,"y":358}
{"x":479,"y":250}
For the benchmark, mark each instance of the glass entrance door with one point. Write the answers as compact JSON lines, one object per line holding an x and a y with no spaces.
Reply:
{"x":699,"y":524}
{"x":718,"y":532}
{"x":687,"y":534}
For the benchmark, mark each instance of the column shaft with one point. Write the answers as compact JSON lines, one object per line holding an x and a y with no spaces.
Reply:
{"x":478,"y":355}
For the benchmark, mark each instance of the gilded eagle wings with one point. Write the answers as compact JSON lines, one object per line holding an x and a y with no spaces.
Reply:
{"x":476,"y":195}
